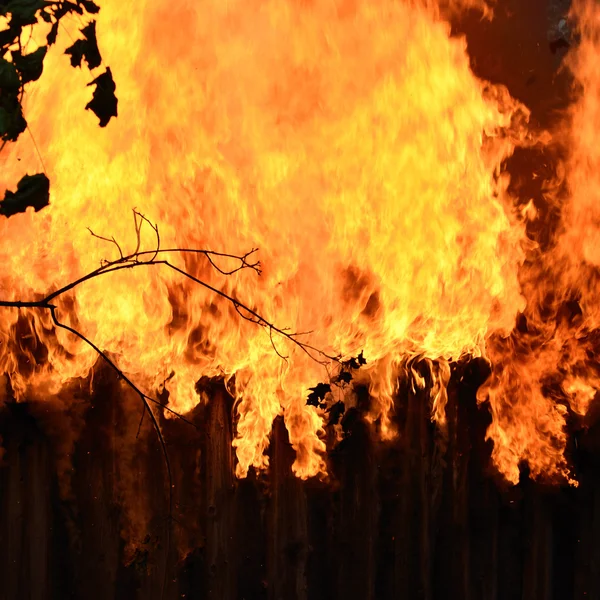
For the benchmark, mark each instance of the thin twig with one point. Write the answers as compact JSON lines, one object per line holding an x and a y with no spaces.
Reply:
{"x":140,"y":258}
{"x":285,"y":358}
{"x":137,"y":435}
{"x":110,"y":240}
{"x":137,"y":223}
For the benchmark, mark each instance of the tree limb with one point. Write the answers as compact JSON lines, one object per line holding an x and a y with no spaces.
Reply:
{"x":153,"y":257}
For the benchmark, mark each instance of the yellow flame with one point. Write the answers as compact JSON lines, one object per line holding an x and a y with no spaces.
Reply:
{"x":348,"y":140}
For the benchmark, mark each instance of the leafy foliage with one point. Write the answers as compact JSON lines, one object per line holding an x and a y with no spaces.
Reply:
{"x":12,"y":121}
{"x":104,"y":102}
{"x":336,"y":412}
{"x":22,"y":12}
{"x":32,"y":190}
{"x":29,"y":66}
{"x":10,"y":81}
{"x":317,"y":394}
{"x":87,"y":48}
{"x":18,"y":68}
{"x":354,"y":363}
{"x":322,"y":391}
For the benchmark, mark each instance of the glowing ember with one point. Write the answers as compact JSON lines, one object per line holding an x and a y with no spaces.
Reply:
{"x":352,"y":144}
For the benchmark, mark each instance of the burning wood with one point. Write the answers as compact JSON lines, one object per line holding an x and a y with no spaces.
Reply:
{"x":353,"y":143}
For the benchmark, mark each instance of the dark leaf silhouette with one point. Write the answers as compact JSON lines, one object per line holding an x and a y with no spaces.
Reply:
{"x":24,"y":68}
{"x":336,"y":412}
{"x":86,"y":49}
{"x":8,"y":36}
{"x":12,"y":122}
{"x":72,"y":7}
{"x":344,"y":377}
{"x":32,"y":190}
{"x":104,"y":102}
{"x":31,"y":65}
{"x":317,"y":394}
{"x":65,"y":8}
{"x":89,"y":6}
{"x":23,"y":12}
{"x":355,"y":362}
{"x":51,"y":37}
{"x":9,"y":78}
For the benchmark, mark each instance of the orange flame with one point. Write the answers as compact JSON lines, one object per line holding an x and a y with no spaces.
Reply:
{"x":348,"y":140}
{"x":548,"y":366}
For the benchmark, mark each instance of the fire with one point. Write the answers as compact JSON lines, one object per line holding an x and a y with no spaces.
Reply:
{"x":348,"y":140}
{"x":547,"y":367}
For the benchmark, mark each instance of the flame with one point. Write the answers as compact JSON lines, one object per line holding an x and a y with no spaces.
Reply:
{"x":547,"y":367}
{"x":348,"y":140}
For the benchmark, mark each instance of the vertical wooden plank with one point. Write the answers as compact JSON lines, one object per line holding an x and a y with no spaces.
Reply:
{"x":286,"y":523}
{"x":357,"y":507}
{"x":405,"y":520}
{"x":587,"y":512}
{"x":27,"y":509}
{"x":220,"y":541}
{"x":187,"y":448}
{"x":425,"y":495}
{"x":538,"y":546}
{"x":484,"y":534}
{"x":13,"y":509}
{"x":39,"y":519}
{"x":250,"y":533}
{"x":452,"y":549}
{"x":417,"y":518}
{"x":319,"y":568}
{"x":510,"y":546}
{"x":93,"y":513}
{"x":390,"y":494}
{"x":483,"y":502}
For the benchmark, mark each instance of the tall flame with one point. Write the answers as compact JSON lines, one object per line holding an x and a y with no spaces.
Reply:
{"x":548,"y":366}
{"x":347,"y":139}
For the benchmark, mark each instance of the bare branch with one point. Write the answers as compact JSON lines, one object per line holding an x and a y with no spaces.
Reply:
{"x":143,"y":219}
{"x":275,"y":347}
{"x":137,"y":435}
{"x":137,"y":223}
{"x":243,"y":260}
{"x":154,"y":257}
{"x":254,"y":317}
{"x":110,"y":240}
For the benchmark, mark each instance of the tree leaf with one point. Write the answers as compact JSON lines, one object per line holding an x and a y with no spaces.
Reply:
{"x":356,"y":362}
{"x":104,"y":102}
{"x":317,"y":394}
{"x":86,"y":48}
{"x":23,"y":12}
{"x":64,"y":8}
{"x":31,"y":65}
{"x":344,"y":377}
{"x":12,"y":121}
{"x":9,"y":36}
{"x":90,"y":7}
{"x":51,"y":37}
{"x":336,"y":412}
{"x":9,"y":78}
{"x":32,"y":190}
